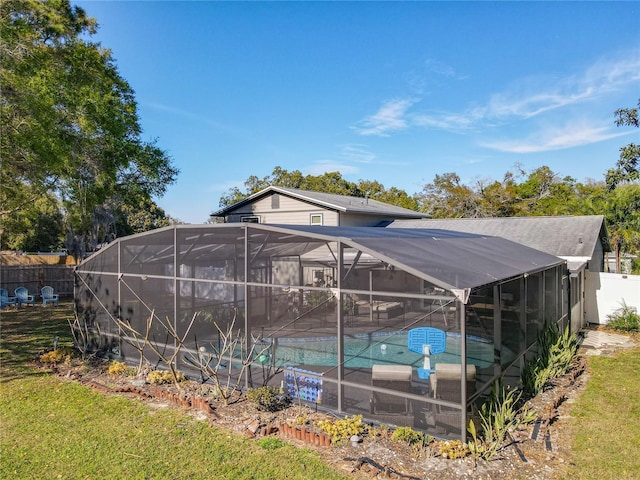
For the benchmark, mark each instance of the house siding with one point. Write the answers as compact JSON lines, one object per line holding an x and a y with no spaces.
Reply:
{"x":288,"y":206}
{"x":596,"y":264}
{"x":290,"y":212}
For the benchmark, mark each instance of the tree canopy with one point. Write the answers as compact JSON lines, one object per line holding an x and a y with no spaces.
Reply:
{"x":627,"y":168}
{"x":70,"y":129}
{"x":539,"y":192}
{"x":330,"y":182}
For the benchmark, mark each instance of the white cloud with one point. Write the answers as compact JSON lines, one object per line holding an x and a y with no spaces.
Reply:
{"x":357,"y":152}
{"x":429,"y":74}
{"x":556,"y":139}
{"x":534,"y":96}
{"x":323,"y":166}
{"x":390,"y":117}
{"x":524,"y":105}
{"x":442,"y":69}
{"x":454,"y":122}
{"x":526,"y":98}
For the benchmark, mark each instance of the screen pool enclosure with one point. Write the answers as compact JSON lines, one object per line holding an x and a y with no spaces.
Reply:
{"x":356,"y":320}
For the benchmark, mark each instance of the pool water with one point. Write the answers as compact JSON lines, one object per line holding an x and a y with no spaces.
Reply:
{"x":362,"y":351}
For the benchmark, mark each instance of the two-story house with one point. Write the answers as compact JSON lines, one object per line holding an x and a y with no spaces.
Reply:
{"x":290,"y":206}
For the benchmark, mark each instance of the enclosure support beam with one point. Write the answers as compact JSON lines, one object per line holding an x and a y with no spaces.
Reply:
{"x":523,"y":320}
{"x":340,"y":324}
{"x":246,"y":303}
{"x":497,"y":333}
{"x":176,"y":294}
{"x":462,"y":320}
{"x":353,"y":264}
{"x":120,"y":332}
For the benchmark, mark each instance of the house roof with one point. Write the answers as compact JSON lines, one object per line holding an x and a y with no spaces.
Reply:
{"x":567,"y":236}
{"x":332,"y":201}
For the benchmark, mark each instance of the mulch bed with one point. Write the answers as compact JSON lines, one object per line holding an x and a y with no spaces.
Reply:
{"x":539,"y":451}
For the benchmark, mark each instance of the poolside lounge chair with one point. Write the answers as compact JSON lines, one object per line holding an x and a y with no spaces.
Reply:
{"x":445,"y":384}
{"x":5,"y":299}
{"x":48,"y":296}
{"x":22,"y":294}
{"x":393,"y":377}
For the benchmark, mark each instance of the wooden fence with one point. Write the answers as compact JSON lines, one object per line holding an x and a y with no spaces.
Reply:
{"x":34,"y":277}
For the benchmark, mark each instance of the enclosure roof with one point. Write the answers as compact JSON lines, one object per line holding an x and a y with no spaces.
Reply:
{"x":563,"y":236}
{"x":341,"y":203}
{"x":452,"y":260}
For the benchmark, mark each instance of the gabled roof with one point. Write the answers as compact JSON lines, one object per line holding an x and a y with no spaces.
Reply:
{"x":568,"y":236}
{"x":331,"y":201}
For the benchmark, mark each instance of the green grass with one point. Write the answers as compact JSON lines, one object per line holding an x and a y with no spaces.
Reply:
{"x":605,"y":421}
{"x":55,"y":428}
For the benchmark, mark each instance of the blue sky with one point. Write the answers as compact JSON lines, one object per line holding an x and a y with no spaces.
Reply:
{"x":390,"y":91}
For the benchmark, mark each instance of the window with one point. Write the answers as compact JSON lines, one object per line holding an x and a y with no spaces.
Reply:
{"x":250,"y":219}
{"x":316,"y":219}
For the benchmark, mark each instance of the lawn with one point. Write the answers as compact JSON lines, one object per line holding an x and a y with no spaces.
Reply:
{"x":51,"y":427}
{"x":55,"y":428}
{"x":605,"y":421}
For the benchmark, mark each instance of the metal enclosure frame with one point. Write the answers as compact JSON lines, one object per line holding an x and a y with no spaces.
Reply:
{"x":325,"y":304}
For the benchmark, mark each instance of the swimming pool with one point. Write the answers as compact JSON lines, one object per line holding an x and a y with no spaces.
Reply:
{"x":364,"y":350}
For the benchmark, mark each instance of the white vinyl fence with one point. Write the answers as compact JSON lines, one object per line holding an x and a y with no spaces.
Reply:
{"x":606,"y":292}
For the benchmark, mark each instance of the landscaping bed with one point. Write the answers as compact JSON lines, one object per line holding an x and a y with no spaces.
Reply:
{"x":538,"y":450}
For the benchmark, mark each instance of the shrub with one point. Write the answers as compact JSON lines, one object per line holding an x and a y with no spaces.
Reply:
{"x":267,"y":399}
{"x":158,"y":377}
{"x":383,"y":430}
{"x":343,"y":430}
{"x":117,"y":368}
{"x":407,"y":435}
{"x":300,"y":420}
{"x":625,"y":319}
{"x":64,"y":354}
{"x":498,"y":416}
{"x":452,"y":449}
{"x":556,"y":352}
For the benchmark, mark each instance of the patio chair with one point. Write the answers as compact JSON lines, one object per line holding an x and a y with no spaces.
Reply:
{"x":5,"y":299}
{"x":393,"y":377}
{"x":445,"y":384}
{"x":48,"y":296}
{"x":22,"y":294}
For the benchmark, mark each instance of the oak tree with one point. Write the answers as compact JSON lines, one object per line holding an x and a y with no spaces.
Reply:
{"x":70,"y":127}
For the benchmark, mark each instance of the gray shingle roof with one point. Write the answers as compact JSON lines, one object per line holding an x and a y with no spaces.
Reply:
{"x":568,"y":236}
{"x":341,"y":203}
